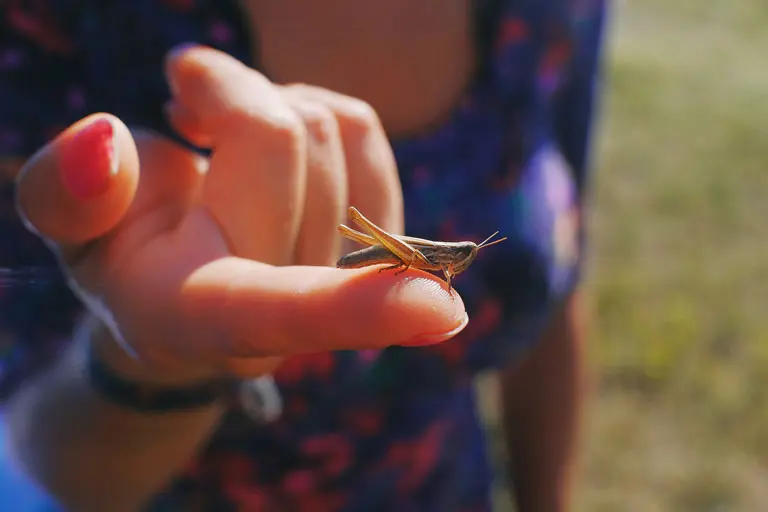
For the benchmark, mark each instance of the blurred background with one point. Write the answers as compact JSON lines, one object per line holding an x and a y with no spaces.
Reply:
{"x":678,"y":276}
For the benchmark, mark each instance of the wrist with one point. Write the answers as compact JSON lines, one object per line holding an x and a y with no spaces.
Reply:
{"x":124,"y":380}
{"x":97,"y":339}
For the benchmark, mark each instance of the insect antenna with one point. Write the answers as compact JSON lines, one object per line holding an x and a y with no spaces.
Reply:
{"x":485,"y":243}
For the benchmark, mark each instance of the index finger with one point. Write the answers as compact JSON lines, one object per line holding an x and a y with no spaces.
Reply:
{"x":280,"y":311}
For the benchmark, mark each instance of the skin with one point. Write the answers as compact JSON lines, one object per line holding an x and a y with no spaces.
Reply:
{"x":326,"y":150}
{"x":542,"y":402}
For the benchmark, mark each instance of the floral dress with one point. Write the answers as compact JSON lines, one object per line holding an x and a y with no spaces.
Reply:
{"x":371,"y":430}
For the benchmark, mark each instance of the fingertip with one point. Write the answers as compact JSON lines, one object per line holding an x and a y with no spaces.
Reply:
{"x":422,"y":303}
{"x":190,"y":60}
{"x":191,"y":53}
{"x":209,"y":83}
{"x":78,"y":186}
{"x":366,"y":308}
{"x":172,"y":61}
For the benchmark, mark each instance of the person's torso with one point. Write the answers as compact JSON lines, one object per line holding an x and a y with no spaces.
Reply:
{"x":410,"y":61}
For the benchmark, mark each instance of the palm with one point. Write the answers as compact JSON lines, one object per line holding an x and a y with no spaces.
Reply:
{"x":148,"y":261}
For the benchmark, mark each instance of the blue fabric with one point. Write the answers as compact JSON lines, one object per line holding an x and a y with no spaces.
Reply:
{"x":17,"y":492}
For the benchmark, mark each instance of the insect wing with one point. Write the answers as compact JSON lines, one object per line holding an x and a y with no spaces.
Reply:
{"x":398,"y":247}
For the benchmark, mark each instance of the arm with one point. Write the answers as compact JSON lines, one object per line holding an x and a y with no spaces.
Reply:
{"x":542,"y":397}
{"x":543,"y":393}
{"x":58,"y":423}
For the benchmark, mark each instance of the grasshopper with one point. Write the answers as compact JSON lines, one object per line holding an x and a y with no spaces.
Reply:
{"x":451,"y":258}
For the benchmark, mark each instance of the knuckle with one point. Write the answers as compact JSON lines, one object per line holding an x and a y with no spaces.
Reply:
{"x":359,"y":117}
{"x":299,"y":89}
{"x":319,"y":121}
{"x":286,"y":125}
{"x":280,"y":127}
{"x":355,"y":117}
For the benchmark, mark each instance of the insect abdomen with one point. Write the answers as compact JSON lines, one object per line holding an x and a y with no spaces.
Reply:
{"x":366,"y":257}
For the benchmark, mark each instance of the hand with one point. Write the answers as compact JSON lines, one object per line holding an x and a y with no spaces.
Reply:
{"x":218,"y":267}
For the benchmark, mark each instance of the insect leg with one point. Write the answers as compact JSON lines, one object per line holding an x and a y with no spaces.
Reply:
{"x":391,"y":267}
{"x":356,"y":236}
{"x":448,"y":276}
{"x":408,"y":265}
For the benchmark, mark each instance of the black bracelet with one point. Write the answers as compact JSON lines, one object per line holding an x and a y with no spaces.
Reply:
{"x":148,"y":398}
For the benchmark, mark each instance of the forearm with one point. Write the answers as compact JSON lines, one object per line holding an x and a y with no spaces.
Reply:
{"x":90,"y":454}
{"x":542,"y":401}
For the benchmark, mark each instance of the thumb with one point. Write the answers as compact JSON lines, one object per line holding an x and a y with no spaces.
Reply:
{"x":80,"y":185}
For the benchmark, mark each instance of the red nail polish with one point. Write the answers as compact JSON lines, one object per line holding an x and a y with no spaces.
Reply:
{"x":88,"y":161}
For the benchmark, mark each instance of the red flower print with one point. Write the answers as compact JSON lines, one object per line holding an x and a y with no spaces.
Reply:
{"x":484,"y":321}
{"x":295,"y":406}
{"x":247,"y":497}
{"x":511,"y":31}
{"x":297,"y":368}
{"x":180,"y":5}
{"x":235,"y":467}
{"x":34,"y":20}
{"x":417,"y":457}
{"x":363,"y":422}
{"x":333,"y":451}
{"x":299,"y":482}
{"x":325,"y":502}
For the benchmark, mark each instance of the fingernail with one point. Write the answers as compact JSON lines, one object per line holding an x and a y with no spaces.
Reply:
{"x":433,"y":339}
{"x":89,"y":160}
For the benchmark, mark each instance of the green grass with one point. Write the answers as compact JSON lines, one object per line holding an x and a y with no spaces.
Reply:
{"x":678,"y":275}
